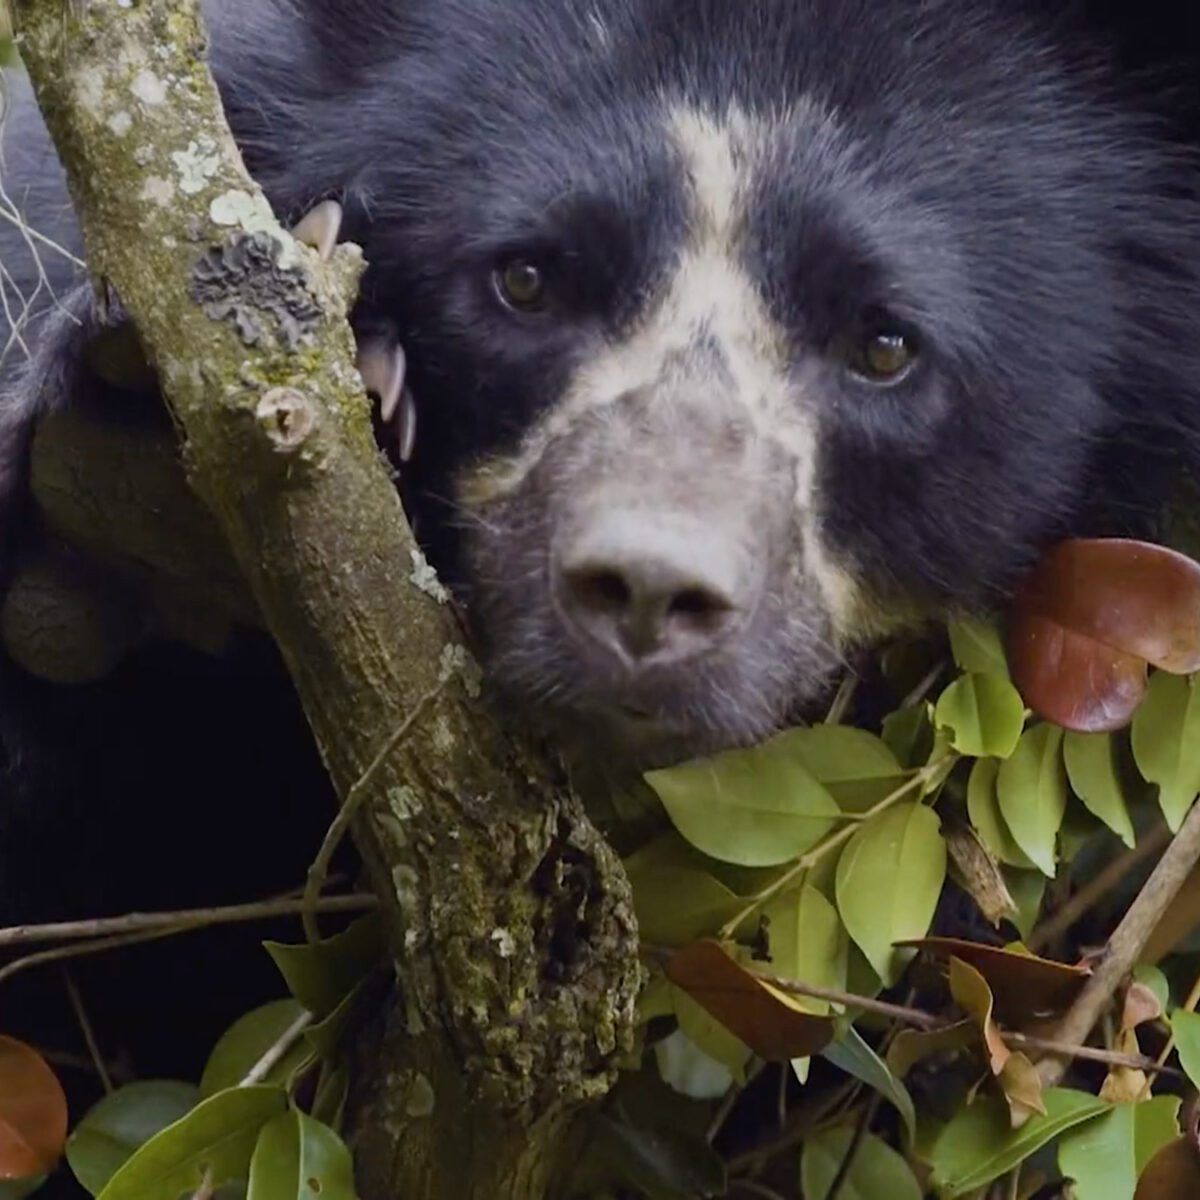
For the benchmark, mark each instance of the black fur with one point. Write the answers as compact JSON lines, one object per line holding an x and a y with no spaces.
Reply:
{"x":998,"y":185}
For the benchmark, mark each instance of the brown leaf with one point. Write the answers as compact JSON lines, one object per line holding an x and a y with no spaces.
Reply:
{"x":1022,"y":1088}
{"x":1088,"y":619}
{"x":1172,"y":1174}
{"x":33,"y":1113}
{"x":972,"y":994}
{"x":1141,"y":1006}
{"x":912,"y":1046}
{"x":773,"y":1024}
{"x":1023,"y":986}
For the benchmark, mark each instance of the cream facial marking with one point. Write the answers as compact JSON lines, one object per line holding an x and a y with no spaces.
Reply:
{"x":710,"y":299}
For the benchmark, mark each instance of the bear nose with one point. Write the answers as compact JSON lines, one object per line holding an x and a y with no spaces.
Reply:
{"x":652,"y":589}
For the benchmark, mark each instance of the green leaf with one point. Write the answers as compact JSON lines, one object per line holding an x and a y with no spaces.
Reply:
{"x":1186,"y":1028}
{"x":858,"y":768}
{"x":119,"y":1124}
{"x":983,"y":807}
{"x":1028,"y":890}
{"x":297,"y":1158}
{"x":852,"y":1055}
{"x":888,"y":882}
{"x":324,"y":1039}
{"x":977,"y":646}
{"x":710,"y":1035}
{"x":660,"y":1163}
{"x":245,"y":1042}
{"x":1092,"y":769}
{"x":1166,"y":743}
{"x":756,"y":807}
{"x":1032,"y":787}
{"x":675,"y":899}
{"x":214,"y":1141}
{"x":876,"y":1170}
{"x":908,"y":734}
{"x":1155,"y":1124}
{"x":984,"y":715}
{"x":1105,"y":1156}
{"x":980,"y":1144}
{"x":323,"y":974}
{"x":808,"y":943}
{"x":685,"y":1068}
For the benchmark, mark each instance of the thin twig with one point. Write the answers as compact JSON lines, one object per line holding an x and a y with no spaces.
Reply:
{"x":341,"y":823}
{"x":286,"y":1040}
{"x":929,"y":1022}
{"x":1126,"y":944}
{"x":1092,"y":892}
{"x":89,"y":1035}
{"x":79,"y":950}
{"x":861,"y":1129}
{"x":185,"y":919}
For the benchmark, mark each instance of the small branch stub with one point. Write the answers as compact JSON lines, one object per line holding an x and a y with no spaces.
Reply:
{"x":287,"y":417}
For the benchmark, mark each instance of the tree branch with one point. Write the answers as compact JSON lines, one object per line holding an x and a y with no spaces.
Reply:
{"x":510,"y":917}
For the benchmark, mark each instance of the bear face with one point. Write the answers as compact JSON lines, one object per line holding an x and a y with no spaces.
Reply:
{"x":742,"y":336}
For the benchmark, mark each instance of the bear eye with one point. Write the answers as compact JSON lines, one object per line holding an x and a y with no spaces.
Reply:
{"x":883,"y":356}
{"x":521,"y":285}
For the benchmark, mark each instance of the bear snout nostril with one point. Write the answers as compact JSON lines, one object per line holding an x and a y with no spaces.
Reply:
{"x":650,"y":590}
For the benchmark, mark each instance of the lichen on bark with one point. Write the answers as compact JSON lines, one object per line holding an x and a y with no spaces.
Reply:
{"x":510,"y":916}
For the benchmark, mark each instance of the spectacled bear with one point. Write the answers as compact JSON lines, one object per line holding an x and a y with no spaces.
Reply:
{"x":734,"y":336}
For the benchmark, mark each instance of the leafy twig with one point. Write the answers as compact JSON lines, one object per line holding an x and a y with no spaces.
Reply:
{"x":837,"y":839}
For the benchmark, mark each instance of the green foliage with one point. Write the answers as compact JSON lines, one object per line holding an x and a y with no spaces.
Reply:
{"x":983,"y":715}
{"x":888,"y":883}
{"x":1166,"y":743}
{"x":1106,"y":1156}
{"x":980,"y":1143}
{"x":163,"y":1139}
{"x":811,"y":857}
{"x":1032,"y":789}
{"x":120,"y":1124}
{"x":876,"y":1169}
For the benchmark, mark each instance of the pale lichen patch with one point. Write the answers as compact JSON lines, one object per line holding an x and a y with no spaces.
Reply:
{"x":455,"y":660}
{"x":505,"y":943}
{"x":120,"y":123}
{"x":89,"y":88}
{"x":196,"y":165}
{"x":149,"y":88}
{"x":426,"y":578}
{"x":158,"y":190}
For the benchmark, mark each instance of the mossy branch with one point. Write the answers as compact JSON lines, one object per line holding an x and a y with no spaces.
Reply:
{"x":511,"y":920}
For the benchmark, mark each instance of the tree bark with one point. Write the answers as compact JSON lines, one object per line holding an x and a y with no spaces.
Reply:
{"x":510,"y":917}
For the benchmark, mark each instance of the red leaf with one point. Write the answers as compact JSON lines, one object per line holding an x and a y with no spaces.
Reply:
{"x":33,"y":1113}
{"x":772,"y":1023}
{"x":1086,"y":622}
